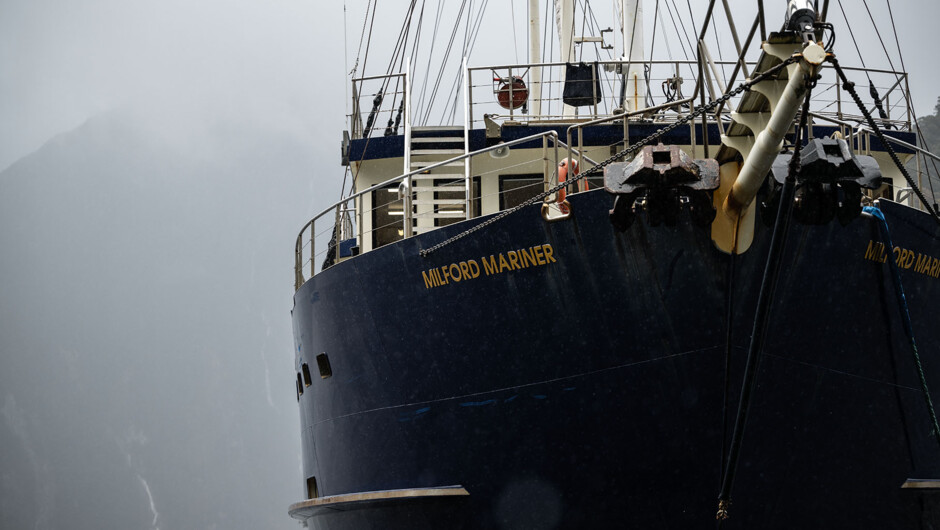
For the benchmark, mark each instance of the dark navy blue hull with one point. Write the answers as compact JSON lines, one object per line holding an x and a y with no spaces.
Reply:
{"x":587,"y":388}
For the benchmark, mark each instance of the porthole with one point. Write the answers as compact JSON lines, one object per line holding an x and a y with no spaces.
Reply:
{"x":323,"y":363}
{"x":306,"y":371}
{"x":312,"y":492}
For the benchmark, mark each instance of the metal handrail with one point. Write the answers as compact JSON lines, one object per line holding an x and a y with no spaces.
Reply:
{"x":469,"y":104}
{"x":867,"y":131}
{"x":626,"y":115}
{"x":298,"y":247}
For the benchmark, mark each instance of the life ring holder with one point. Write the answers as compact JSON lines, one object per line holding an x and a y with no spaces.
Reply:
{"x":561,"y":202}
{"x":515,"y":86}
{"x":565,"y":206}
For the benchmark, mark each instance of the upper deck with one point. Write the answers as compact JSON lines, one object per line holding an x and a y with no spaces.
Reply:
{"x":410,"y":177}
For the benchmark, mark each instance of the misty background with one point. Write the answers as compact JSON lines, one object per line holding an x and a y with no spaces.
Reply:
{"x":157,"y":160}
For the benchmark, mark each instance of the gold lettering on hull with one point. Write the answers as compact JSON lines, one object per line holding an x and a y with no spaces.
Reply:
{"x":904,"y":258}
{"x":523,"y":258}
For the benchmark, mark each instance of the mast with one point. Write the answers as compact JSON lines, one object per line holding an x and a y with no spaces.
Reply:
{"x":633,"y":53}
{"x":564,"y":19}
{"x":535,"y":76}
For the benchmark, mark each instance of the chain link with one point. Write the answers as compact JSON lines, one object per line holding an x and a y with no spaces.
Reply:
{"x":622,"y":154}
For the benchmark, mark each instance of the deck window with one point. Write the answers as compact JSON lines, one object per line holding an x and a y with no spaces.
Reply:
{"x":387,"y":216}
{"x":516,"y":189}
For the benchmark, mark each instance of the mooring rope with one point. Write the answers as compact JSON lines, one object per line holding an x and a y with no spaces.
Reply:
{"x":905,"y":314}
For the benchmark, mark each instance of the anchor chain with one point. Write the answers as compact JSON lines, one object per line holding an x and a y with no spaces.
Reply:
{"x":708,"y":107}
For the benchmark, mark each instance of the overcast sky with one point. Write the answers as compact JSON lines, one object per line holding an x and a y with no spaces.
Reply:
{"x":244,"y":102}
{"x":63,"y":62}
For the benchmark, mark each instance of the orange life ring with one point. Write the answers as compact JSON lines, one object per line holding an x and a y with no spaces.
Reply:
{"x":563,"y":167}
{"x":518,"y":90}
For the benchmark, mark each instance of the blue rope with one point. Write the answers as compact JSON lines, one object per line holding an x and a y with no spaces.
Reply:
{"x":905,"y":313}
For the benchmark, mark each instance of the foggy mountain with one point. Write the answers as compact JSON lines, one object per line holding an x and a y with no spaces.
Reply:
{"x":145,"y":294}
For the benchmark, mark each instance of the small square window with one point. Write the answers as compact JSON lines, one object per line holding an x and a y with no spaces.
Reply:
{"x":323,"y":363}
{"x":306,"y":371}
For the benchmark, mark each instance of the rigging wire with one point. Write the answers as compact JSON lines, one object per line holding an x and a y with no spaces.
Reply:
{"x":342,"y":188}
{"x":474,"y":33}
{"x":416,"y":43}
{"x":365,"y":60}
{"x":855,"y":42}
{"x":515,"y":39}
{"x":427,"y":73}
{"x":595,"y":26}
{"x":676,"y":27}
{"x":862,"y":59}
{"x":362,"y":34}
{"x":683,"y":34}
{"x":546,"y":41}
{"x":910,"y":105}
{"x":663,"y":25}
{"x":878,"y":33}
{"x":721,"y":67}
{"x":471,"y":29}
{"x":583,"y":24}
{"x":365,"y":57}
{"x":399,"y":51}
{"x":691,"y":17}
{"x":649,"y":90}
{"x":440,"y":73}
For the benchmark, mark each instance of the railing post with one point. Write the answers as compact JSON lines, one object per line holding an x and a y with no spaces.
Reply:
{"x":298,"y":266}
{"x":511,"y":100}
{"x":360,"y":242}
{"x":407,"y":98}
{"x":907,"y":99}
{"x":555,"y":144}
{"x":546,"y":183}
{"x":838,"y":101}
{"x":313,"y":253}
{"x":593,"y":91}
{"x":580,"y":146}
{"x":408,"y":229}
{"x":467,"y":121}
{"x":337,"y":232}
{"x":356,"y":118}
{"x":920,"y":178}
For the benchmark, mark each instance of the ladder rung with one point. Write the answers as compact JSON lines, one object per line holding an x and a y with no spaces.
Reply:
{"x":437,"y":128}
{"x":454,"y":202}
{"x":420,"y":189}
{"x":438,"y":139}
{"x":415,"y":164}
{"x":428,"y":152}
{"x":441,"y":215}
{"x":437,"y":176}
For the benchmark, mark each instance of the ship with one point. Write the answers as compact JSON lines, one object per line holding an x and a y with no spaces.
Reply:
{"x":592,"y":305}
